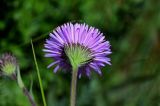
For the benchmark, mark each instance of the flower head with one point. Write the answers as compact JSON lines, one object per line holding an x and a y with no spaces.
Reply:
{"x":77,"y":47}
{"x":8,"y":64}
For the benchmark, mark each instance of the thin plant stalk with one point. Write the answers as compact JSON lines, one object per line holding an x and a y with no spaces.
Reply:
{"x":73,"y":88}
{"x":39,"y":77}
{"x":28,"y":95}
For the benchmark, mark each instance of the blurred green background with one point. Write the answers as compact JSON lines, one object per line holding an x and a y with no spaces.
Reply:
{"x":131,"y":26}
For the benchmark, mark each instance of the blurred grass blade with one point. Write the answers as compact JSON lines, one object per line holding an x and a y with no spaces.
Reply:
{"x":39,"y":77}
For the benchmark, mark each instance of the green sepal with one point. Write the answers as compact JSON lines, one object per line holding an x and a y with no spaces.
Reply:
{"x":19,"y":79}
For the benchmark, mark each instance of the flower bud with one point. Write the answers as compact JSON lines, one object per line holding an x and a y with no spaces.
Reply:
{"x":8,"y":64}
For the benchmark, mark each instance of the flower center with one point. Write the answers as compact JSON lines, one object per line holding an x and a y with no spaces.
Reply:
{"x":78,"y":55}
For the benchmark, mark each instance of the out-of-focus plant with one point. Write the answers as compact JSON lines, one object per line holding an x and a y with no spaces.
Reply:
{"x":9,"y":67}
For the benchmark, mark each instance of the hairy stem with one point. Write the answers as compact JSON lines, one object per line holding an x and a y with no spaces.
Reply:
{"x":22,"y":86}
{"x":73,"y":88}
{"x":28,"y":95}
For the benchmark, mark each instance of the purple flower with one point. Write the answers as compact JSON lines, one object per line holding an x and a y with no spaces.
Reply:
{"x":78,"y":47}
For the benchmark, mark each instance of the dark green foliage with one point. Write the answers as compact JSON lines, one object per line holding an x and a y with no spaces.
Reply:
{"x":132,"y":26}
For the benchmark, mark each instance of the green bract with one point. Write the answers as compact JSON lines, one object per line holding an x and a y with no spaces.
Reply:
{"x":77,"y":55}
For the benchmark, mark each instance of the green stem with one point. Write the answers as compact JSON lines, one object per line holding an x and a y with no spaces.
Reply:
{"x":73,"y":87}
{"x":39,"y":77}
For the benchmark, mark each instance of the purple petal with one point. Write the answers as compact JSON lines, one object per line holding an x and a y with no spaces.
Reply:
{"x":77,"y":30}
{"x":53,"y":63}
{"x":105,"y":60}
{"x":59,"y":38}
{"x":88,"y":72}
{"x":51,"y":55}
{"x":101,"y":53}
{"x":51,"y":51}
{"x":96,"y":68}
{"x":55,"y":38}
{"x":56,"y":69}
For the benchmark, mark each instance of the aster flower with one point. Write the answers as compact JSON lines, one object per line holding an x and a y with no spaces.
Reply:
{"x":77,"y":47}
{"x":8,"y":64}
